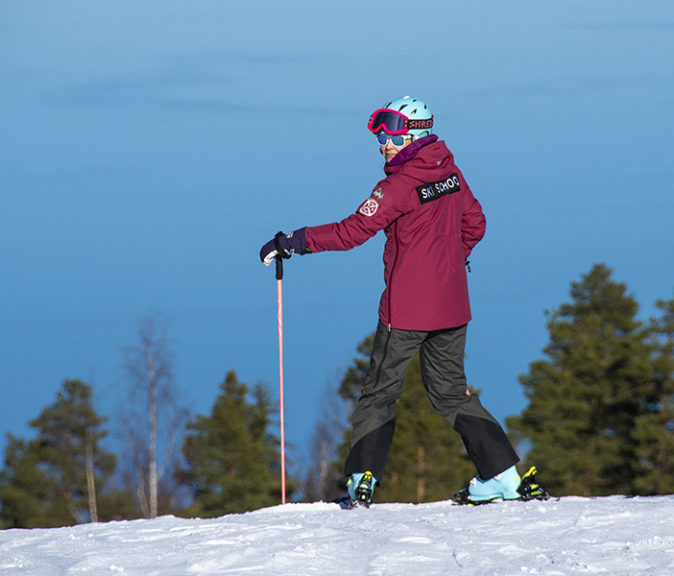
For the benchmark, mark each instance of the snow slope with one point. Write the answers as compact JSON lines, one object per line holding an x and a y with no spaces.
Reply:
{"x":615,"y":536}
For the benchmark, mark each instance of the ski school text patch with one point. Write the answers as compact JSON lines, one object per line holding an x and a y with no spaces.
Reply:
{"x":435,"y":190}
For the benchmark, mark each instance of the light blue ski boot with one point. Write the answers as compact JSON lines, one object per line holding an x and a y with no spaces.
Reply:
{"x":502,"y":486}
{"x":361,"y":488}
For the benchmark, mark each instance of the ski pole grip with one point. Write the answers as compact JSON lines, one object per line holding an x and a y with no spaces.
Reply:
{"x":279,"y":256}
{"x":279,"y":268}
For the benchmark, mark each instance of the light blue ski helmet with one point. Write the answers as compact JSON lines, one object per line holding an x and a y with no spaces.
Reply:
{"x":414,"y":109}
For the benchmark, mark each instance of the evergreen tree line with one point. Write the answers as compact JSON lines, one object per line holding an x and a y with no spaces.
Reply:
{"x":65,"y":476}
{"x":599,"y":420}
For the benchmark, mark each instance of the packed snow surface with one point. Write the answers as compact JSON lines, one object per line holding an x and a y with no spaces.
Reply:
{"x":615,"y":536}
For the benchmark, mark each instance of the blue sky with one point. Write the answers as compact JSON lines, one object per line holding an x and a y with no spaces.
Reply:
{"x":148,"y":149}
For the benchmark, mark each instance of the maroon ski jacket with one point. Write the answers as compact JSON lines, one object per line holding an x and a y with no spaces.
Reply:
{"x":432,"y":221}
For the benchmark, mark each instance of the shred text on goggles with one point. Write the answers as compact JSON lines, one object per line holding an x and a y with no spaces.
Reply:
{"x":394,"y":123}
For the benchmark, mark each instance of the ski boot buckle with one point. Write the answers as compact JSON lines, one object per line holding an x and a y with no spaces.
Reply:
{"x":529,"y":489}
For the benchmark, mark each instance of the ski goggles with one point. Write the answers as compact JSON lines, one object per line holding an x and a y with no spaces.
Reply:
{"x":397,"y":140}
{"x":395,"y":123}
{"x":389,"y":121}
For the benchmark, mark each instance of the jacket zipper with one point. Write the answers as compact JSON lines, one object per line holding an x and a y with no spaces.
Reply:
{"x":394,"y":226}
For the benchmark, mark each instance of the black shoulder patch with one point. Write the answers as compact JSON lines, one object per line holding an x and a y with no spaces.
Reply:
{"x":435,"y":190}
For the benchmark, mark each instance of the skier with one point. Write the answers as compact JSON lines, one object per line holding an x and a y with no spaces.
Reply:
{"x":432,"y":221}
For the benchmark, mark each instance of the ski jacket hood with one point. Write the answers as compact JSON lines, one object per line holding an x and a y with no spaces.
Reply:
{"x":432,"y":221}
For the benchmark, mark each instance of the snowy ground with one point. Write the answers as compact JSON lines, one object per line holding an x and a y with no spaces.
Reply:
{"x":614,"y":536}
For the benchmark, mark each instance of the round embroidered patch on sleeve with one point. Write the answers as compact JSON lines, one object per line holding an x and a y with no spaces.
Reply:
{"x":369,"y":207}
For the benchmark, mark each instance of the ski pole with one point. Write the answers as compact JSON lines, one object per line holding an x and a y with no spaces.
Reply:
{"x":279,"y":299}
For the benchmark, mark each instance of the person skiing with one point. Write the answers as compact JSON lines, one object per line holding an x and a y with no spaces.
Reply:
{"x":432,"y":222}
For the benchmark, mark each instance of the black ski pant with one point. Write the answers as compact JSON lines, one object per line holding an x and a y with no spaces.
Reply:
{"x":443,"y":375}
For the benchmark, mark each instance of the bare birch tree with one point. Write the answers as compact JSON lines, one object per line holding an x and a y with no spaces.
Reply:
{"x":152,"y":418}
{"x":324,"y":480}
{"x":91,"y":477}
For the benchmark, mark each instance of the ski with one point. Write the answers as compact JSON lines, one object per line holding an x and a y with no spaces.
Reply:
{"x":529,"y":489}
{"x":346,"y":503}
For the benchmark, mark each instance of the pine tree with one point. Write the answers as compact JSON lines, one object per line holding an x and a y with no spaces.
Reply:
{"x":53,"y":479}
{"x":233,"y":463}
{"x":585,"y":398}
{"x":427,"y":461}
{"x":654,"y":428}
{"x":26,"y":491}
